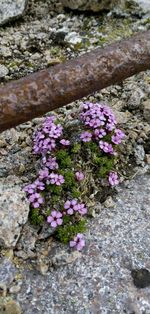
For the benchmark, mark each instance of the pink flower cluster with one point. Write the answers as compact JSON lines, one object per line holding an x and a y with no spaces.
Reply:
{"x":101,"y":121}
{"x":45,"y":137}
{"x":55,"y":178}
{"x":33,"y":191}
{"x":101,"y":128}
{"x":50,"y":162}
{"x":45,"y":141}
{"x":97,"y":116}
{"x":117,"y":137}
{"x":72,"y":206}
{"x":106,"y":147}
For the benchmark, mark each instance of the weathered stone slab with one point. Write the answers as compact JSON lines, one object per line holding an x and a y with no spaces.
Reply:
{"x":11,"y":9}
{"x":14,"y":209}
{"x":111,"y":274}
{"x":7,"y":272}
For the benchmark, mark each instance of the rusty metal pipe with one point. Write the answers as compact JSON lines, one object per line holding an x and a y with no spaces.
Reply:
{"x":38,"y":93}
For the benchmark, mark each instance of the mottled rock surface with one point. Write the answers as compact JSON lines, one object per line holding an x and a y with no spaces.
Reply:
{"x":3,"y":71}
{"x":14,"y":209}
{"x":11,"y":9}
{"x":100,"y":280}
{"x":7,"y":271}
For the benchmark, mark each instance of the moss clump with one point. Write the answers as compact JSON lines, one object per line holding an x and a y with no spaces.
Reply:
{"x":93,"y":147}
{"x":105,"y":167}
{"x":69,"y":179}
{"x":76,"y":148}
{"x":75,"y":193}
{"x":55,"y":189}
{"x":63,"y":159}
{"x":68,"y":231}
{"x":104,"y":164}
{"x":35,"y":217}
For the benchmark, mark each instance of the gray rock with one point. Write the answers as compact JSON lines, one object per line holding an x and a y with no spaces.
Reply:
{"x":5,"y":51}
{"x":144,"y":5}
{"x":62,"y":257}
{"x":135,"y":99}
{"x":73,"y":39}
{"x":14,"y":210}
{"x":15,"y":288}
{"x":26,"y":245}
{"x":122,"y":117}
{"x":7,"y":272}
{"x":3,"y":71}
{"x":11,"y":9}
{"x":139,"y":154}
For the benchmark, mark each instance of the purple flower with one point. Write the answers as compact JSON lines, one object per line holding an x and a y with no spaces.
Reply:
{"x":48,"y":145}
{"x":86,"y":136}
{"x":55,"y":178}
{"x":79,"y":175}
{"x":65,"y":142}
{"x":50,"y":163}
{"x":119,"y":133}
{"x":99,"y":133}
{"x":82,"y":210}
{"x":96,"y":115}
{"x":118,"y":136}
{"x":60,"y":179}
{"x":78,"y":242}
{"x":73,"y":206}
{"x":36,"y":200}
{"x":45,"y":137}
{"x":55,"y":219}
{"x":115,"y":139}
{"x":30,"y":188}
{"x":69,"y":205}
{"x":113,"y":178}
{"x":110,"y":126}
{"x":55,"y":131}
{"x":106,"y":147}
{"x":37,"y":185}
{"x":43,"y":174}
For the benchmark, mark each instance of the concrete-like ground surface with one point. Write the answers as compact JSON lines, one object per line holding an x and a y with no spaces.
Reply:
{"x":100,"y":280}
